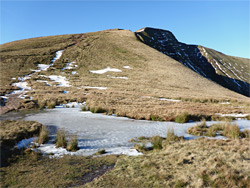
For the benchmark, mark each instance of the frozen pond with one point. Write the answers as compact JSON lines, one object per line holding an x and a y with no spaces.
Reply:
{"x":98,"y":131}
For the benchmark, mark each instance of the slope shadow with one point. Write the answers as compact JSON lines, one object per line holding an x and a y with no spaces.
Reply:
{"x":190,"y":56}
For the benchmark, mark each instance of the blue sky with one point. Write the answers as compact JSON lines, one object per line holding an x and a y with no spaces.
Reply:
{"x":221,"y":25}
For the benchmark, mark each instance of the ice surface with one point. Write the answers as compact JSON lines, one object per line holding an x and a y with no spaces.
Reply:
{"x":25,"y":142}
{"x":98,"y":131}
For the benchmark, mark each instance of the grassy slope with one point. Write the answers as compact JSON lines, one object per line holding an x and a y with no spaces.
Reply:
{"x":230,"y":72}
{"x":238,"y":65}
{"x":194,"y":163}
{"x":153,"y":75}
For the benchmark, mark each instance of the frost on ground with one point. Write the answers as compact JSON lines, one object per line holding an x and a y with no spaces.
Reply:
{"x":232,"y":115}
{"x":102,"y":71}
{"x":92,"y":87}
{"x":125,"y":78}
{"x":171,"y":100}
{"x":59,"y":79}
{"x":70,"y":65}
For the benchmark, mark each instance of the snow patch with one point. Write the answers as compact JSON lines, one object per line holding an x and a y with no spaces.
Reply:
{"x":102,"y":71}
{"x":127,"y":67}
{"x":43,"y":67}
{"x":171,"y":100}
{"x":90,"y":87}
{"x":70,"y":65}
{"x":60,"y":79}
{"x":58,"y":55}
{"x":232,"y":115}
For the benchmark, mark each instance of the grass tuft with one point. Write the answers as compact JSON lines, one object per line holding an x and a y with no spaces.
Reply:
{"x":43,"y":135}
{"x":182,"y":118}
{"x":73,"y":144}
{"x":61,"y":139}
{"x":157,"y":142}
{"x":171,"y":136}
{"x":100,"y":152}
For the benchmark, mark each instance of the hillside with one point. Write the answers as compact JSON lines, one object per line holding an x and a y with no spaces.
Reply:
{"x":230,"y":72}
{"x":138,"y":81}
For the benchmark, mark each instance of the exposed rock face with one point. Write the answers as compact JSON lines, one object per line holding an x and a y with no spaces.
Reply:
{"x":225,"y":70}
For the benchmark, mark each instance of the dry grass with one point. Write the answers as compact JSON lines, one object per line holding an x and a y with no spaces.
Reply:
{"x":34,"y":170}
{"x":73,"y":144}
{"x":153,"y":75}
{"x":61,"y":140}
{"x":43,"y":135}
{"x":194,"y":163}
{"x":12,"y":131}
{"x":226,"y":129}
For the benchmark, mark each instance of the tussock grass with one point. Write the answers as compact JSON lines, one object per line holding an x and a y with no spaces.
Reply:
{"x":231,"y":131}
{"x":194,"y":163}
{"x":182,"y":118}
{"x":61,"y":140}
{"x":97,"y":109}
{"x":226,"y":129}
{"x":172,"y":137}
{"x":43,"y":135}
{"x":100,"y":152}
{"x":73,"y":144}
{"x":157,"y":142}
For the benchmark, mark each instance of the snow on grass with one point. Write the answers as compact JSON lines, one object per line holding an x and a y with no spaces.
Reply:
{"x":25,"y":143}
{"x":59,"y":79}
{"x":123,"y":151}
{"x":161,"y":99}
{"x":127,"y":67}
{"x":44,"y":81}
{"x":58,"y":55}
{"x":102,"y":71}
{"x":91,"y":87}
{"x":43,"y":67}
{"x":171,"y":100}
{"x":71,"y":105}
{"x":73,"y":72}
{"x":232,"y":115}
{"x":118,"y":77}
{"x":24,"y":88}
{"x":224,"y":103}
{"x":70,"y":65}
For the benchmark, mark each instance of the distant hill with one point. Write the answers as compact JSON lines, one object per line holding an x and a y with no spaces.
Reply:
{"x":115,"y":71}
{"x":230,"y":72}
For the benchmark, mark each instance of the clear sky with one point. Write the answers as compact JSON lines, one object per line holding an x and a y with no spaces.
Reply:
{"x":221,"y":25}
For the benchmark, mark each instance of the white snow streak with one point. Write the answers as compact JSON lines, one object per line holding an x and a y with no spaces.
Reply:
{"x":102,"y":71}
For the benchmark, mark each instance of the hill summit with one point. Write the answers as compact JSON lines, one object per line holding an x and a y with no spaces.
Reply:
{"x":147,"y":74}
